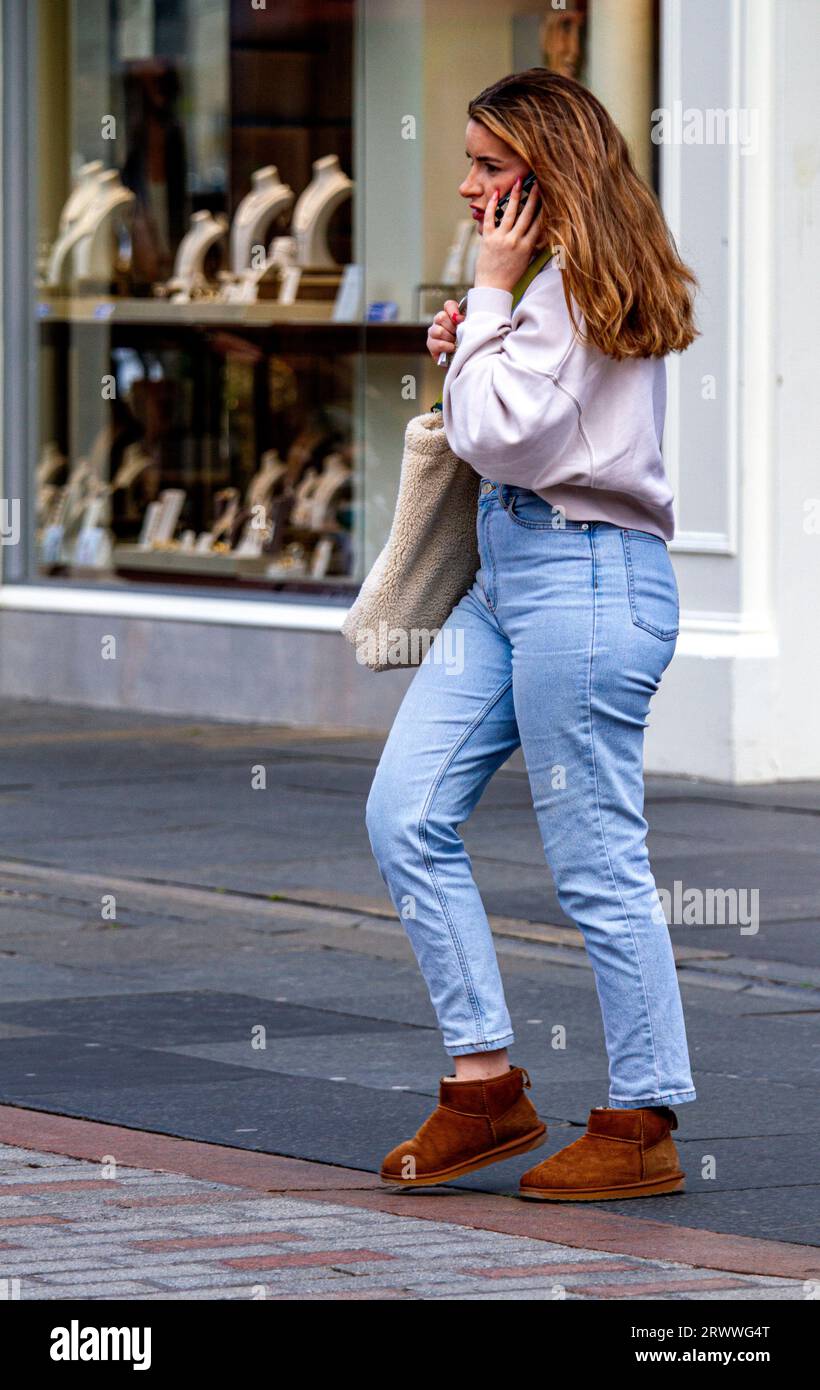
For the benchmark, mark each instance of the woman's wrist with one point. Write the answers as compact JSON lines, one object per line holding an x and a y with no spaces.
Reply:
{"x":492,"y":283}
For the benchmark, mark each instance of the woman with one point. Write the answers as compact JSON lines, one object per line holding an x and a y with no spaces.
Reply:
{"x":567,"y":630}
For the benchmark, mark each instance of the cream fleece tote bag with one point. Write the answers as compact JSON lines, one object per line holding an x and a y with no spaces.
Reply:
{"x":430,"y":558}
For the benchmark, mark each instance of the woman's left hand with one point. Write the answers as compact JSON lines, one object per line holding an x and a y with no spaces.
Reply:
{"x":506,"y":250}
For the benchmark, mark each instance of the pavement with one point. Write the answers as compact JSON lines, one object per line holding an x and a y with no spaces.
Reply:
{"x":212,"y":1027}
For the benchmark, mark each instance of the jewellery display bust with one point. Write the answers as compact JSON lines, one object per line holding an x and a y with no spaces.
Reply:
{"x":268,"y":199}
{"x":204,"y":231}
{"x":257,"y":515}
{"x":84,"y":248}
{"x":83,"y":193}
{"x":328,"y":189}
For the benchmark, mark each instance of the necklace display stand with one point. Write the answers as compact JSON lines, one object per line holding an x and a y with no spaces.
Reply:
{"x":52,"y":462}
{"x":94,"y":255}
{"x":85,"y":187}
{"x":303,"y":496}
{"x":94,"y":544}
{"x":219,"y":536}
{"x":135,"y":460}
{"x":267,"y":200}
{"x":84,"y":251}
{"x":257,"y":516}
{"x":188,"y":282}
{"x":314,"y":209}
{"x":335,"y":476}
{"x":65,"y":519}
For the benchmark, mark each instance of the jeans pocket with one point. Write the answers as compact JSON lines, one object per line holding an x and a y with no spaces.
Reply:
{"x":529,"y":510}
{"x":654,"y":601}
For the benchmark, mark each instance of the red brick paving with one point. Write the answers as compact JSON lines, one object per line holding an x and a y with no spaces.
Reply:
{"x":208,"y":1242}
{"x":35,"y":1220}
{"x":531,"y":1271}
{"x":313,"y":1257}
{"x":571,"y":1225}
{"x":24,"y":1189}
{"x":341,"y":1297}
{"x":647,"y":1290}
{"x":188,"y":1199}
{"x":595,"y":1230}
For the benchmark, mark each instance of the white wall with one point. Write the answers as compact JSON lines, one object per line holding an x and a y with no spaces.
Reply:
{"x":738,"y":702}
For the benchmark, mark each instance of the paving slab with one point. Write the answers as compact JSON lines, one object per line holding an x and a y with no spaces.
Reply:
{"x":177,"y":1017}
{"x":318,"y":1222}
{"x":146,"y":1026}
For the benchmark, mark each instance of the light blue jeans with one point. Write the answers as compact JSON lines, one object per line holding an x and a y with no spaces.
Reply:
{"x":564,"y":636}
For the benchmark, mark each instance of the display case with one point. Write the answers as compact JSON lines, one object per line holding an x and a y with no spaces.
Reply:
{"x":201,"y":327}
{"x":246,"y":217}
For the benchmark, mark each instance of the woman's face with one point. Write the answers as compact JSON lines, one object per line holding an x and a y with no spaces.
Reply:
{"x":493,"y":164}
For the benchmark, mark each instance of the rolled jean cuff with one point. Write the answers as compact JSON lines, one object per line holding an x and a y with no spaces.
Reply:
{"x":671,"y":1098}
{"x":491,"y":1045}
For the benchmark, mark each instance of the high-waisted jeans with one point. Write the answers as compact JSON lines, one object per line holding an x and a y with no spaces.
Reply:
{"x":563,"y":639}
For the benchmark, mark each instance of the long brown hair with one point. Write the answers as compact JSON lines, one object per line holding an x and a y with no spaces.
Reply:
{"x":619,"y":259}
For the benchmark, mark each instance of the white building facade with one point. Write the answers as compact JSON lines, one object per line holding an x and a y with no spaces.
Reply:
{"x":738,"y":179}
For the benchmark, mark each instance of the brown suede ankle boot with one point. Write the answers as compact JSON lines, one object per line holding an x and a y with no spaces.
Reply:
{"x":624,"y":1153}
{"x":475,"y":1123}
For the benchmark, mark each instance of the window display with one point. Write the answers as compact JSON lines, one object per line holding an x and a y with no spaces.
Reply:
{"x":247,"y":217}
{"x":197,"y":386}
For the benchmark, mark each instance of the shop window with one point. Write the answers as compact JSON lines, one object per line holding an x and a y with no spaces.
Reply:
{"x":197,"y":382}
{"x":246,"y":216}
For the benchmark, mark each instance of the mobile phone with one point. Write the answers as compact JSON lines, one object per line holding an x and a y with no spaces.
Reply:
{"x":502,"y":202}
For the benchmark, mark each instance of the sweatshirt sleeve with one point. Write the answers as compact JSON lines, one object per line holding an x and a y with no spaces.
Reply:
{"x":504,"y":410}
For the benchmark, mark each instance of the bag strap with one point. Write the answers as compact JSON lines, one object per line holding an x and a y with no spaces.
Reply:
{"x":526,"y":279}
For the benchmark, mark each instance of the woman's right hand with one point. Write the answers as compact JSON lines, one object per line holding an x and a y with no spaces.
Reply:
{"x":442,"y":334}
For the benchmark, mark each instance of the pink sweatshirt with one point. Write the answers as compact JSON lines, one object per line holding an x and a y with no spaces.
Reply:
{"x":525,"y":402}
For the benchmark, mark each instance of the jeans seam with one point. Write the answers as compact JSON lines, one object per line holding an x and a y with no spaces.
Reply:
{"x":428,"y":859}
{"x":489,"y":1044}
{"x":492,"y":595}
{"x":601,"y":823}
{"x":660,"y":1098}
{"x":499,"y":1038}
